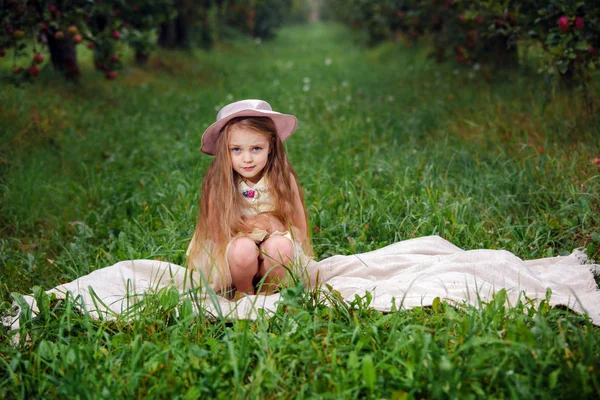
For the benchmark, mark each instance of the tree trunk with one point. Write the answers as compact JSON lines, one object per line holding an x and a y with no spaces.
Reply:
{"x":141,"y":57}
{"x":175,"y":34}
{"x":502,"y":54}
{"x":97,"y":24}
{"x":63,"y":56}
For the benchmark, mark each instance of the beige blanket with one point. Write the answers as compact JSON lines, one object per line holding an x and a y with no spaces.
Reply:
{"x":405,"y":274}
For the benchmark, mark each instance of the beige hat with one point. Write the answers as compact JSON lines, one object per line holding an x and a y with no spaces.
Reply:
{"x":284,"y":123}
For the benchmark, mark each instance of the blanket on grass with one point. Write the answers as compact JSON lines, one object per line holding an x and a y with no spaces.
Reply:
{"x":405,"y":274}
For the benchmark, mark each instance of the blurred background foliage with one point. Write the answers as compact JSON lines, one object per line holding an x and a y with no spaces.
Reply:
{"x":31,"y":28}
{"x":562,"y":36}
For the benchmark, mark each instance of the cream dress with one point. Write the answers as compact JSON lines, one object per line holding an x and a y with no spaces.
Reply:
{"x":260,"y":201}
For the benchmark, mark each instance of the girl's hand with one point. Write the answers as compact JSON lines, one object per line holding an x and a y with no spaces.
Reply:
{"x":267,"y":222}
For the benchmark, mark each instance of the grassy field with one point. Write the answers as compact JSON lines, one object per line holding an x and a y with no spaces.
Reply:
{"x":390,"y":146}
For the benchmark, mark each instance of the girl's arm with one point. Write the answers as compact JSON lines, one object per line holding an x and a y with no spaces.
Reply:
{"x":267,"y":222}
{"x":300,"y":216}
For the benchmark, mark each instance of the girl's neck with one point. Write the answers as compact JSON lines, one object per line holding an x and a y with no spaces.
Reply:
{"x":252,"y":182}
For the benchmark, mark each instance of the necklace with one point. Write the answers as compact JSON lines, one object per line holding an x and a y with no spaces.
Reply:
{"x":250,"y":193}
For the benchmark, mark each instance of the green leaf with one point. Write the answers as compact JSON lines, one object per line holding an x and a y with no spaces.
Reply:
{"x":43,"y":302}
{"x":548,"y":294}
{"x":193,"y":393}
{"x":563,"y":66}
{"x":352,"y":360}
{"x":553,"y":378}
{"x":436,"y":304}
{"x":596,"y":237}
{"x":368,"y":371}
{"x":47,"y":350}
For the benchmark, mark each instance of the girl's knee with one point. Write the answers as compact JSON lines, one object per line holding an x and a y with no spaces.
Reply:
{"x":243,"y":251}
{"x":277,"y":248}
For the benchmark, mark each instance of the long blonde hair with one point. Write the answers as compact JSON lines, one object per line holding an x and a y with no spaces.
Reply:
{"x":221,"y":210}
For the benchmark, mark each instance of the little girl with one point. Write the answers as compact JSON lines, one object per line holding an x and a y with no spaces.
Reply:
{"x":252,"y":222}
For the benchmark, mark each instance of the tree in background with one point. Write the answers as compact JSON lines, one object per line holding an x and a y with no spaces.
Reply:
{"x":141,"y":20}
{"x":177,"y":31}
{"x":569,"y":34}
{"x":31,"y":26}
{"x":485,"y":32}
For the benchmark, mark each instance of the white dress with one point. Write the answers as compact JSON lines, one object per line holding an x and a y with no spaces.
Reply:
{"x":259,"y":201}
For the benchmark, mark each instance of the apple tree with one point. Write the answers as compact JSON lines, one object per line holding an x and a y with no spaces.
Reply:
{"x":569,"y":33}
{"x":479,"y":31}
{"x":259,"y":18}
{"x":31,"y":28}
{"x":177,"y":31}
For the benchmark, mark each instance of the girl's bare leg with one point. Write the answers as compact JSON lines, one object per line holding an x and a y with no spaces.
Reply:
{"x":242,"y":257}
{"x":275,"y":251}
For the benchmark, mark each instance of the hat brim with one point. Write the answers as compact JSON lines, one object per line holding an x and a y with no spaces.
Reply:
{"x":284,"y":123}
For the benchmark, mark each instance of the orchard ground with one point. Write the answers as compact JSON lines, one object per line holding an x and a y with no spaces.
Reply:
{"x":390,"y":146}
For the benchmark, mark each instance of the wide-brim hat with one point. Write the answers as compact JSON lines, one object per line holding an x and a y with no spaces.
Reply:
{"x":284,"y":123}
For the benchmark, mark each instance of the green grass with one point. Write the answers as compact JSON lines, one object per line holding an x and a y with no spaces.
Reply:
{"x":390,"y":146}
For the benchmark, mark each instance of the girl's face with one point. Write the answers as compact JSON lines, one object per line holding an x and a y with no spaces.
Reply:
{"x":249,"y":152}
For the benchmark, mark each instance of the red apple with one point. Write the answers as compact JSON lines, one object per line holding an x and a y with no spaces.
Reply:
{"x":563,"y":23}
{"x":72,"y":30}
{"x":52,"y":8}
{"x":38,"y":58}
{"x":17,"y":69}
{"x":77,"y":39}
{"x":2,"y":52}
{"x":34,"y":70}
{"x":114,"y":58}
{"x":90,"y":45}
{"x":111,"y":75}
{"x":579,"y":23}
{"x":116,"y":34}
{"x":59,"y":35}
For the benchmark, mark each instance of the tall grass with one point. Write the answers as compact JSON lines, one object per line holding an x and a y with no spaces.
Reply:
{"x":390,"y":146}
